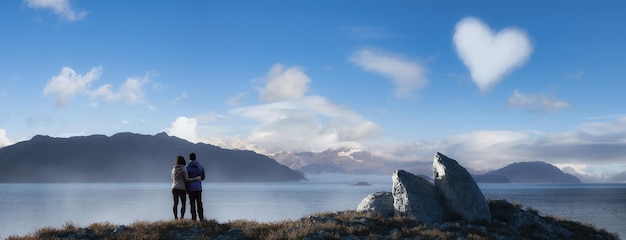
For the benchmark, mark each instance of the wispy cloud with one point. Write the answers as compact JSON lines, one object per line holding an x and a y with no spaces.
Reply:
{"x":608,"y":131}
{"x":611,"y":116}
{"x":130,"y":92}
{"x":68,"y":84}
{"x":576,"y":75}
{"x":284,"y":84}
{"x":489,"y":55}
{"x":407,"y":76}
{"x":59,"y":7}
{"x":235,"y":101}
{"x":311,"y":123}
{"x":179,"y":98}
{"x":536,"y":103}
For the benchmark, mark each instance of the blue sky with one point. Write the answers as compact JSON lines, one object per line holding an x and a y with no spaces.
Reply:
{"x":488,"y":83}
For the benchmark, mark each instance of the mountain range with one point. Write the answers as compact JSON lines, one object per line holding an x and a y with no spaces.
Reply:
{"x":130,"y":157}
{"x":127,"y":157}
{"x":342,"y":160}
{"x":351,"y":161}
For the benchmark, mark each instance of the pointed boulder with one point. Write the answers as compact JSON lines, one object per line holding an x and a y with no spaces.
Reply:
{"x":459,"y":190}
{"x":417,"y":197}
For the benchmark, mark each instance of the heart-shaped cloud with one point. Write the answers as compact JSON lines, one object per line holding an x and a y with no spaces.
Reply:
{"x":489,"y":55}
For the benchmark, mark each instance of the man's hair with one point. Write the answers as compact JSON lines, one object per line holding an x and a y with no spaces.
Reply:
{"x":180,"y":160}
{"x":192,"y":156}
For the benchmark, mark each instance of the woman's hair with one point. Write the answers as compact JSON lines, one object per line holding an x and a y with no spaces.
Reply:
{"x":180,"y":160}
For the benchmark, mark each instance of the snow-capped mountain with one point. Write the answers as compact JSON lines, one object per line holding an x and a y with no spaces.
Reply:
{"x":342,"y":160}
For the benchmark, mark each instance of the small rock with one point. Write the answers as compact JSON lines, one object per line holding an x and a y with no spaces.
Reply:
{"x":350,"y":237}
{"x":377,"y":203}
{"x":447,"y":226}
{"x":395,"y":233}
{"x":224,"y":237}
{"x":120,"y":229}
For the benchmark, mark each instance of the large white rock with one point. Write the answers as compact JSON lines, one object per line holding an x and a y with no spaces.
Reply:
{"x":417,"y":197}
{"x":460,"y":192}
{"x":377,"y":203}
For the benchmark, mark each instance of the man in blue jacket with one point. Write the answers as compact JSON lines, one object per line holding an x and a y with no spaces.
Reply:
{"x":194,"y":189}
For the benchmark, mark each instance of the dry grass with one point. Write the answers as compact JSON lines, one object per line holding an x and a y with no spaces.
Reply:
{"x":101,"y":228}
{"x":323,"y":225}
{"x":329,"y":225}
{"x":137,"y":230}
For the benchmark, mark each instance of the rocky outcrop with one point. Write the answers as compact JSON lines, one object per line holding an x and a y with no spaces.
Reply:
{"x":460,"y":192}
{"x":377,"y":203}
{"x":454,"y":194}
{"x":417,"y":197}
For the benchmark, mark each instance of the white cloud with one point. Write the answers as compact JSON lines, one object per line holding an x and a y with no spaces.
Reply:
{"x":180,"y":97}
{"x":489,"y":55}
{"x":4,"y":140}
{"x":301,"y":122}
{"x":130,"y":92}
{"x":297,"y":122}
{"x":612,"y":131}
{"x":347,"y":124}
{"x":68,"y":83}
{"x":235,"y":101}
{"x":310,"y":124}
{"x":60,"y":7}
{"x":408,"y":77}
{"x":185,"y":128}
{"x":536,"y":103}
{"x":284,"y":84}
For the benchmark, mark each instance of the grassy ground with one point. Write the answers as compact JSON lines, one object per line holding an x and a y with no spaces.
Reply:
{"x":510,"y":221}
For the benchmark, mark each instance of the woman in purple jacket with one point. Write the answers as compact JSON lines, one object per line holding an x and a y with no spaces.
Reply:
{"x":179,"y":179}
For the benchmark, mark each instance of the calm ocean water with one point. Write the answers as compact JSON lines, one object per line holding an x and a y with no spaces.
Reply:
{"x":27,"y":207}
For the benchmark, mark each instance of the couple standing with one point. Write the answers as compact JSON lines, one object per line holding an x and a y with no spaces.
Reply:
{"x":188,"y":180}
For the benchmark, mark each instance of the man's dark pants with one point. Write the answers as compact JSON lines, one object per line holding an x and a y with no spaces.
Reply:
{"x":195,"y":198}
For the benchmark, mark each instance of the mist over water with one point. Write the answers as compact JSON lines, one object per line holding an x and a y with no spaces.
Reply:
{"x":27,"y":207}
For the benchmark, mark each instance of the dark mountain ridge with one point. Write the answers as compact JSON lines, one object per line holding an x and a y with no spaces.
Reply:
{"x":130,"y":157}
{"x":528,"y":172}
